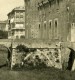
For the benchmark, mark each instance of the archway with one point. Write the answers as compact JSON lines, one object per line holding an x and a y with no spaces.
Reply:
{"x":71,"y":59}
{"x":5,"y":55}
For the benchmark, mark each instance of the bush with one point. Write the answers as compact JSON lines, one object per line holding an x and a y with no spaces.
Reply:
{"x":3,"y":34}
{"x":22,"y":48}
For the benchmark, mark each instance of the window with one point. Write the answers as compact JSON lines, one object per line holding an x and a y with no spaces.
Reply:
{"x":17,"y":14}
{"x":44,"y":25}
{"x":13,"y":25}
{"x":73,"y":25}
{"x":13,"y":33}
{"x":9,"y":21}
{"x":21,"y":16}
{"x":50,"y":29}
{"x":56,"y":24}
{"x":19,"y":25}
{"x":17,"y":37}
{"x":56,"y":28}
{"x":50,"y":25}
{"x":39,"y":26}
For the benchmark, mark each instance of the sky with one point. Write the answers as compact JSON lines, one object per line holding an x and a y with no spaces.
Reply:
{"x":7,"y":5}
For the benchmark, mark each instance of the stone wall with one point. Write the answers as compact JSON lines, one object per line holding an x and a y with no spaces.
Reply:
{"x":46,"y":49}
{"x":41,"y":17}
{"x":47,"y":46}
{"x":36,"y":43}
{"x":50,"y":57}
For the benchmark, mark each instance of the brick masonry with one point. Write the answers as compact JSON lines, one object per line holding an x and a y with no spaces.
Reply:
{"x":42,"y":17}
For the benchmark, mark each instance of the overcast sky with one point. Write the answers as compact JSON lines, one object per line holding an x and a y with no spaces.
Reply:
{"x":7,"y":5}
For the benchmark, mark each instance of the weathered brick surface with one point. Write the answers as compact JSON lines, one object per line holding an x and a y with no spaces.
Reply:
{"x":51,"y":57}
{"x":38,"y":12}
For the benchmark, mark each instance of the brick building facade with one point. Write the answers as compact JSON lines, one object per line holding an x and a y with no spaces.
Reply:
{"x":50,"y":19}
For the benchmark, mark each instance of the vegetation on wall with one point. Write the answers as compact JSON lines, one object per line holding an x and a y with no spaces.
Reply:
{"x":23,"y":48}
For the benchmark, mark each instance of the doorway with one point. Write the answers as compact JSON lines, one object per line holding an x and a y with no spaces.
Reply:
{"x":71,"y":60}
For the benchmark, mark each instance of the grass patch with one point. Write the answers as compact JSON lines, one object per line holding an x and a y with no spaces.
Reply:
{"x":37,"y":74}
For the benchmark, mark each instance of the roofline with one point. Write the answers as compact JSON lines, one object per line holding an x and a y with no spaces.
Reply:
{"x":15,"y":10}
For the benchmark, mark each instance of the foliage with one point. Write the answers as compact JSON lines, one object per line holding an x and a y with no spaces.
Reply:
{"x":3,"y":34}
{"x":23,"y":48}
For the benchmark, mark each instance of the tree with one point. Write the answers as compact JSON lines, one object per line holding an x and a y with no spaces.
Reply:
{"x":3,"y":34}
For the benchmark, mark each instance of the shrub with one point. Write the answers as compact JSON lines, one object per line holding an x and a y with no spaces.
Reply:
{"x":22,"y":48}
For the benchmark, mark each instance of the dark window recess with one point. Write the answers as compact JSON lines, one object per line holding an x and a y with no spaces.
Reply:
{"x":45,"y":26}
{"x":9,"y":21}
{"x":55,"y":24}
{"x":50,"y":25}
{"x":13,"y":33}
{"x":39,"y":26}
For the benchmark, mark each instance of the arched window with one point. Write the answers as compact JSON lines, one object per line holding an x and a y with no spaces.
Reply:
{"x":50,"y":24}
{"x":56,"y":28}
{"x":50,"y":29}
{"x":39,"y":26}
{"x":44,"y":25}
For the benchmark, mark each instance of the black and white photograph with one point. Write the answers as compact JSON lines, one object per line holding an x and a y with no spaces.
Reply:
{"x":37,"y":39}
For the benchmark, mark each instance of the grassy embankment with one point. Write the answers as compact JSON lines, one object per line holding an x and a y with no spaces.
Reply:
{"x":35,"y":74}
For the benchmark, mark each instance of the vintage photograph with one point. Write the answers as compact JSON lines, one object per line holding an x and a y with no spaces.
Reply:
{"x":37,"y":39}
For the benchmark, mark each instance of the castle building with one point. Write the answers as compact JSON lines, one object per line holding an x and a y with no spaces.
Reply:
{"x":16,"y":25}
{"x":50,"y":19}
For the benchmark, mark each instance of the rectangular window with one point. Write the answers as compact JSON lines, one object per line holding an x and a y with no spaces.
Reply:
{"x":56,"y":28}
{"x":50,"y":25}
{"x":17,"y":14}
{"x":21,"y":15}
{"x":50,"y":29}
